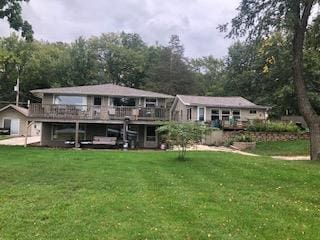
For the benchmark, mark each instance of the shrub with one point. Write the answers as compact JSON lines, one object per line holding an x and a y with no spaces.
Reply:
{"x":243,"y":138}
{"x":182,"y":134}
{"x":240,"y":138}
{"x":258,"y":126}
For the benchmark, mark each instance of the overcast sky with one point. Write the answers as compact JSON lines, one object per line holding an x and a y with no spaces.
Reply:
{"x":195,"y":21}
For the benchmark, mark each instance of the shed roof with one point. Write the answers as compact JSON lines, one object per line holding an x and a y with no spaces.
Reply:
{"x":22,"y":110}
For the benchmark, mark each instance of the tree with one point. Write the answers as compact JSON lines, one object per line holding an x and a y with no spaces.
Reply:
{"x":183,"y":134}
{"x":257,"y":20}
{"x":16,"y":54}
{"x":11,"y":10}
{"x":260,"y":72}
{"x":120,"y":58}
{"x":168,"y":71}
{"x":82,"y":63}
{"x":210,"y":73}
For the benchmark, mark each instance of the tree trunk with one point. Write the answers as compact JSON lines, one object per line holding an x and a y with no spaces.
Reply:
{"x":315,"y":141}
{"x":305,"y":107}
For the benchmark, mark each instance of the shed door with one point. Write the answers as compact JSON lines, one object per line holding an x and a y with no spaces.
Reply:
{"x":13,"y":125}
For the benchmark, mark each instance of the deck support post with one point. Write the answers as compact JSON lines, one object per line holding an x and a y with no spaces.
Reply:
{"x":125,"y":137}
{"x":76,"y":138}
{"x":27,"y":126}
{"x":26,"y":134}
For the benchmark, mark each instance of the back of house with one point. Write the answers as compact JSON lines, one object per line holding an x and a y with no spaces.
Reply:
{"x":224,"y":112}
{"x":105,"y":114}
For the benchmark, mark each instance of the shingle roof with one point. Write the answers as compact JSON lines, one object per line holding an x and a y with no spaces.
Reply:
{"x":22,"y":110}
{"x":233,"y":102}
{"x":103,"y":90}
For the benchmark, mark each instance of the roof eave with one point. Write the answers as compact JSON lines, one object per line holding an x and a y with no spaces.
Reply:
{"x":40,"y":93}
{"x":229,"y":106}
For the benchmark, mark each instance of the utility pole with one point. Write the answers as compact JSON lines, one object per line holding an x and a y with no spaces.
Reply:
{"x":17,"y":87}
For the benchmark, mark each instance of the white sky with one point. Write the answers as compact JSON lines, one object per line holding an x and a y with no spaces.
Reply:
{"x":195,"y":21}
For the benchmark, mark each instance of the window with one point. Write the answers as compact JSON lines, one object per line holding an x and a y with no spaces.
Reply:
{"x":70,"y":100}
{"x":97,"y":101}
{"x":225,"y":115}
{"x":253,"y":111}
{"x":214,"y":115}
{"x":63,"y":132}
{"x":125,"y":102}
{"x":189,"y":114}
{"x":151,"y":102}
{"x":236,"y":114}
{"x":151,"y":134}
{"x":201,"y":114}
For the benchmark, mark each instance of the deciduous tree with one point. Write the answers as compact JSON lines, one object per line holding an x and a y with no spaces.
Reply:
{"x":11,"y":10}
{"x":183,"y":134}
{"x":259,"y":19}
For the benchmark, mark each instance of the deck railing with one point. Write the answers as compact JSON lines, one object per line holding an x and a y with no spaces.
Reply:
{"x":235,"y":125}
{"x":86,"y":112}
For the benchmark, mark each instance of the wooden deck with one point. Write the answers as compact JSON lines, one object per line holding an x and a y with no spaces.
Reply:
{"x":86,"y":112}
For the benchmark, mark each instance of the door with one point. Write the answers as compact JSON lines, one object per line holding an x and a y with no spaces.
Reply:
{"x":201,"y":114}
{"x":13,"y":125}
{"x":151,"y":138}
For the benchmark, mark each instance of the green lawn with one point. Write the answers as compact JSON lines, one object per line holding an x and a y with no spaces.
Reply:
{"x":2,"y":137}
{"x":68,"y":194}
{"x":282,"y":148}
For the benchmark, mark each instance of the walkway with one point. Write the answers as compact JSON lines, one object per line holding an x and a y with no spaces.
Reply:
{"x":19,"y":141}
{"x":226,"y":149}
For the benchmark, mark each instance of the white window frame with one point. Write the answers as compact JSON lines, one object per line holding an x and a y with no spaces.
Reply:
{"x":236,"y":115}
{"x":97,"y":96}
{"x":224,"y":115}
{"x":113,"y":98}
{"x":204,"y":113}
{"x":57,"y":140}
{"x":219,"y":113}
{"x":253,"y":110}
{"x":146,"y":102}
{"x":189,"y":118}
{"x":84,"y":99}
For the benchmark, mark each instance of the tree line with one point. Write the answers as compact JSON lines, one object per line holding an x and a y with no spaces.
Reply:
{"x":259,"y":71}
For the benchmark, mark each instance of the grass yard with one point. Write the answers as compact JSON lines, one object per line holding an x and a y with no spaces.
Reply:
{"x":68,"y":194}
{"x":3,"y":137}
{"x":283,"y":148}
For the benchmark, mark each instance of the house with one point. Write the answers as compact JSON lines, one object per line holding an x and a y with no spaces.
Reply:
{"x":108,"y":113}
{"x":13,"y":119}
{"x":225,"y":112}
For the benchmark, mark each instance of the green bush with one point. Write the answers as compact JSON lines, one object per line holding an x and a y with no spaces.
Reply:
{"x":242,"y":138}
{"x":258,"y":126}
{"x":239,"y":138}
{"x":183,"y":134}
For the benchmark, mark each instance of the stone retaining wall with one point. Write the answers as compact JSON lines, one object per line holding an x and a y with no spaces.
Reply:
{"x":267,"y":136}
